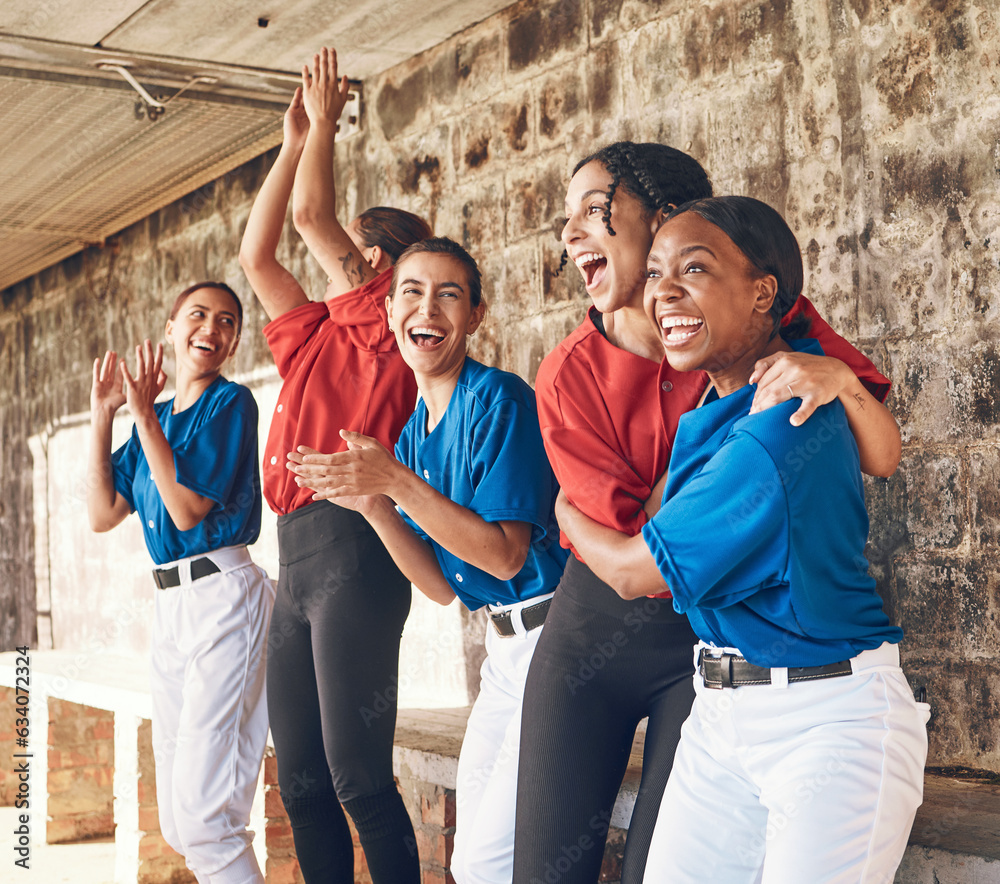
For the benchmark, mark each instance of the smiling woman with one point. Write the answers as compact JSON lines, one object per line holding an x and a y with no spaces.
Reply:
{"x":784,"y":614}
{"x":475,"y":495}
{"x":190,"y":471}
{"x":609,"y":406}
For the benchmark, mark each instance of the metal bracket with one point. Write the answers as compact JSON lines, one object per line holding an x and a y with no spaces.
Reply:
{"x":154,"y":108}
{"x":350,"y":117}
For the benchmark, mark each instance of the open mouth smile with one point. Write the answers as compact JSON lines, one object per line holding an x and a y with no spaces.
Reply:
{"x":593,"y":267}
{"x":426,"y":338}
{"x":680,"y":328}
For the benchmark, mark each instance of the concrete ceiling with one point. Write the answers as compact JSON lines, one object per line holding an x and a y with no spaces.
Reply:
{"x":82,"y":155}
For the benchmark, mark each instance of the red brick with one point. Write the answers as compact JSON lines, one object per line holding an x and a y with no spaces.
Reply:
{"x":270,"y":770}
{"x":431,"y":846}
{"x":611,"y":867}
{"x":146,"y":791}
{"x":284,"y":872}
{"x":152,"y":846}
{"x":273,"y":808}
{"x":149,"y":818}
{"x":104,"y":729}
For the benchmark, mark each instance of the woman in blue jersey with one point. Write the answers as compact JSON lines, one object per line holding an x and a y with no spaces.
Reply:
{"x":190,"y":471}
{"x":475,"y":494}
{"x":802,"y":759}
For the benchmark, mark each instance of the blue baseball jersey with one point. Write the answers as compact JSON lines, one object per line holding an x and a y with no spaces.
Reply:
{"x":215,"y":454}
{"x":762,"y":533}
{"x":486,"y":454}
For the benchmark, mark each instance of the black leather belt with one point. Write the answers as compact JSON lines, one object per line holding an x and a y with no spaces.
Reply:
{"x":532,"y":617}
{"x":166,"y":578}
{"x":731,"y":671}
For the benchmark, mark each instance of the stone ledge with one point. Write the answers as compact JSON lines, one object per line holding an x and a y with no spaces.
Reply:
{"x":960,"y":813}
{"x":428,"y":742}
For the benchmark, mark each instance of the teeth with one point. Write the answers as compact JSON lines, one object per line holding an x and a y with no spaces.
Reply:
{"x":671,"y":321}
{"x":587,"y":258}
{"x":422,"y":330}
{"x":681,"y":336}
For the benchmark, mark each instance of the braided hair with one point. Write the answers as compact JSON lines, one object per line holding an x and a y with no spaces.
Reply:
{"x":659,"y":176}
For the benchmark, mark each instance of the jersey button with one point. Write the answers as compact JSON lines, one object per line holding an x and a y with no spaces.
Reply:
{"x":280,"y":409}
{"x":151,"y":523}
{"x":274,"y":460}
{"x":458,"y":577}
{"x":427,"y":475}
{"x":667,"y":386}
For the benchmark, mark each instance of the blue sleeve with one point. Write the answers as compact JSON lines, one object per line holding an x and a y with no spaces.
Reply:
{"x":724,"y":534}
{"x":207,"y":461}
{"x":510,"y":471}
{"x":123,"y":466}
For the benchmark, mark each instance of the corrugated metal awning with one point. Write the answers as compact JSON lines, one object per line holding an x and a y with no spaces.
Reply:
{"x":84,"y":155}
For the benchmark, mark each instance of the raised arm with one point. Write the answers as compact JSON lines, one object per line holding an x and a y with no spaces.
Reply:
{"x":276,"y":289}
{"x":314,"y":209}
{"x":106,"y":508}
{"x":817,"y":380}
{"x":186,"y":507}
{"x":498,"y":548}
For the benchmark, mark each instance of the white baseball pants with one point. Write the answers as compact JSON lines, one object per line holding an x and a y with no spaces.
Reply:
{"x":487,"y":765}
{"x":814,"y":781}
{"x":210,"y":713}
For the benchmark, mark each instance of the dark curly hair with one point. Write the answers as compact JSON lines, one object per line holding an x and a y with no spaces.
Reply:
{"x":658,"y":176}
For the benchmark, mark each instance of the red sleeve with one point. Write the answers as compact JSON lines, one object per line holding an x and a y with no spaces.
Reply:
{"x":361,"y":312}
{"x":581,"y":440}
{"x":286,"y":334}
{"x":834,"y":345}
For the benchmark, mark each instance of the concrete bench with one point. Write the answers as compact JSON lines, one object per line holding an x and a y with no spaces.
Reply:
{"x":90,"y":714}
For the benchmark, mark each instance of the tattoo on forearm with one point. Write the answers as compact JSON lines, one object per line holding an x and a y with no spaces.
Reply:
{"x":860,"y":400}
{"x":352,"y":268}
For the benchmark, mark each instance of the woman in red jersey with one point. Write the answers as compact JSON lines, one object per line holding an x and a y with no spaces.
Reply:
{"x":602,"y":663}
{"x":342,"y":602}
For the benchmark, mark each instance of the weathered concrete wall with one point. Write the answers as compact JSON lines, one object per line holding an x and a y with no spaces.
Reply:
{"x":874,"y":127}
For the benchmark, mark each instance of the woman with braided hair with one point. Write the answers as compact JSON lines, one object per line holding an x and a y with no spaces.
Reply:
{"x":803,"y":756}
{"x":604,"y":663}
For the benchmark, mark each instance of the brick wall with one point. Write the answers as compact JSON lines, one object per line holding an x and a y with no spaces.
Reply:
{"x":872,"y":127}
{"x":81,"y":753}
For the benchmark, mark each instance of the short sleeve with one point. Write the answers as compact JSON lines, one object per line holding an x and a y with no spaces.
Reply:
{"x":722,"y":537}
{"x":596,"y":476}
{"x":290,"y":331}
{"x":123,"y":465}
{"x":206,"y":462}
{"x":510,"y":473}
{"x":403,"y":452}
